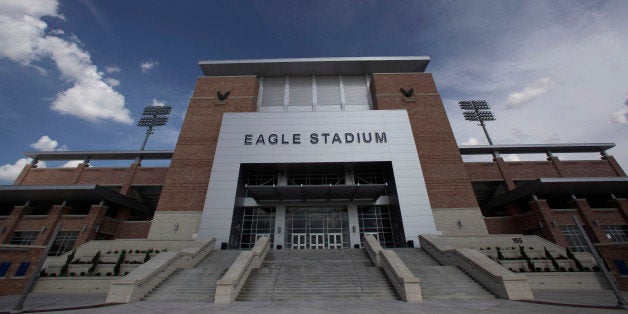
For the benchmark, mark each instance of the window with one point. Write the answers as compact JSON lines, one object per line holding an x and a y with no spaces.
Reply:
{"x":21,"y":270}
{"x":257,"y":221}
{"x":575,"y":239}
{"x":314,"y":93}
{"x":616,"y":233}
{"x":376,"y":220}
{"x":4,"y":268}
{"x":63,"y":243}
{"x":24,"y":237}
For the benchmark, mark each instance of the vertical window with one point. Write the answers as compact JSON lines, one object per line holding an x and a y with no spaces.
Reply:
{"x":319,"y":93}
{"x":21,"y":270}
{"x":575,"y":239}
{"x":272,"y":94}
{"x":300,"y":93}
{"x":24,"y":237}
{"x":376,"y":220}
{"x":616,"y":233}
{"x":63,"y":243}
{"x":356,"y":93}
{"x":257,"y":222}
{"x":327,"y":93}
{"x":4,"y":268}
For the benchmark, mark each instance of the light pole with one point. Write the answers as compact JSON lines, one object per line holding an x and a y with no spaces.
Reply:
{"x":477,"y":110}
{"x":153,"y":116}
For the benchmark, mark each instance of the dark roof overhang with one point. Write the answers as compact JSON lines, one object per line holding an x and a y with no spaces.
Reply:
{"x":20,"y":194}
{"x":315,"y":66}
{"x":562,"y":186}
{"x":348,"y":192}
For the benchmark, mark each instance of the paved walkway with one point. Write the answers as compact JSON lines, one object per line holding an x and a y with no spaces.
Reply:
{"x":41,"y":302}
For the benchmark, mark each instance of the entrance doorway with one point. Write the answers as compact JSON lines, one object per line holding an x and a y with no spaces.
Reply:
{"x":317,"y":228}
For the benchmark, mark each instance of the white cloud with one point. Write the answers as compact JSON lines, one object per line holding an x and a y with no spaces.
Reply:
{"x":23,"y":40}
{"x":45,"y":143}
{"x":538,"y":88}
{"x":471,"y":141}
{"x":512,"y":157}
{"x":158,"y":103}
{"x":621,"y":116}
{"x":112,"y":81}
{"x":147,"y":65}
{"x":8,"y":172}
{"x":113,"y":69}
{"x":581,"y":47}
{"x":71,"y":164}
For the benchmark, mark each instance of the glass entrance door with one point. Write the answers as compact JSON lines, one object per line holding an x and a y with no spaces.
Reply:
{"x":317,"y":241}
{"x":334,"y":241}
{"x":324,"y":227}
{"x":298,"y":241}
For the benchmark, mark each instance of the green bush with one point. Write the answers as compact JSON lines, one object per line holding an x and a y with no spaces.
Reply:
{"x":116,"y":268}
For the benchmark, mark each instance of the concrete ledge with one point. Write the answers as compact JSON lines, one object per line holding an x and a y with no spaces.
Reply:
{"x":73,"y":285}
{"x":499,"y":280}
{"x":568,"y":281}
{"x":149,"y":275}
{"x":407,"y":285}
{"x":229,"y":286}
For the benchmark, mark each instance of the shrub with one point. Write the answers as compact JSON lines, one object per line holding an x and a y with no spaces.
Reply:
{"x":95,"y":261}
{"x":53,"y":275}
{"x":551,"y":258}
{"x":126,"y":273}
{"x":546,"y":269}
{"x":596,"y":268}
{"x":108,"y":252}
{"x":72,"y":274}
{"x":562,"y":269}
{"x":500,"y":256}
{"x":521,"y":269}
{"x":43,"y":273}
{"x":64,"y":269}
{"x":137,"y":251}
{"x":574,"y":259}
{"x":108,"y":274}
{"x":116,"y":268}
{"x":97,"y":274}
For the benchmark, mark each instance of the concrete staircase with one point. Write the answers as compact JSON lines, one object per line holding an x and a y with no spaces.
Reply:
{"x":198,"y":283}
{"x":317,"y":275}
{"x":441,"y":282}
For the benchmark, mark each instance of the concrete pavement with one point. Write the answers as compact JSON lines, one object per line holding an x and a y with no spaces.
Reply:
{"x":62,"y":302}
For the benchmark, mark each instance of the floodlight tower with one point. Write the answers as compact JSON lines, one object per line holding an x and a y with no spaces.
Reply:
{"x":477,"y":110}
{"x":153,"y":116}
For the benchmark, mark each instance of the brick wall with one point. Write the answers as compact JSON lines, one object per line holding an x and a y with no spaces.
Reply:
{"x":16,"y":254}
{"x":185,"y":184}
{"x":441,"y":162}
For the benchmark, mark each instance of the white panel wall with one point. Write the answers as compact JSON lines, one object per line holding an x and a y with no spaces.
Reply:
{"x":399,"y":149}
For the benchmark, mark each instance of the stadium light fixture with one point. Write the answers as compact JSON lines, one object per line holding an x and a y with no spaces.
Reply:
{"x":478,"y":110}
{"x":153,"y":116}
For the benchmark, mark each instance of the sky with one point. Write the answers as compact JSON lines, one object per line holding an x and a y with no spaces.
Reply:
{"x":76,"y":75}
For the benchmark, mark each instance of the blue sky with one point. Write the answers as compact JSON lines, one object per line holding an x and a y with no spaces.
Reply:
{"x":75,"y":75}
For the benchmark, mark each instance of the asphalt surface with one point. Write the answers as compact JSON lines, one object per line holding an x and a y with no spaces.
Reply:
{"x":562,"y":301}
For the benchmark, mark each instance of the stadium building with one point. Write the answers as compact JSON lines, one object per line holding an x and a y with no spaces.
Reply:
{"x":280,"y":157}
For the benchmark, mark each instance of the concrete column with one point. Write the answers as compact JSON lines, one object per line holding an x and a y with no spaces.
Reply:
{"x":550,"y":231}
{"x":622,"y":206}
{"x":51,"y":222}
{"x":280,"y":226}
{"x":596,"y":233}
{"x":92,"y":221}
{"x":354,"y":224}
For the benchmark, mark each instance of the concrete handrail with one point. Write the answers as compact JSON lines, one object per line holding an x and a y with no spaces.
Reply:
{"x":407,"y":285}
{"x":146,"y":277}
{"x":228,"y":287}
{"x":499,"y":280}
